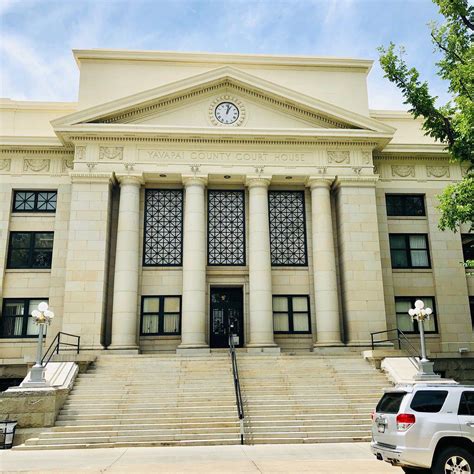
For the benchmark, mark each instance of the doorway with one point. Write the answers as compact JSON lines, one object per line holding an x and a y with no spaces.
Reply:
{"x":226,"y":308}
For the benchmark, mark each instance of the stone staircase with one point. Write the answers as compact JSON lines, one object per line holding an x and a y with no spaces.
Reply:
{"x":309,"y":399}
{"x":169,"y":400}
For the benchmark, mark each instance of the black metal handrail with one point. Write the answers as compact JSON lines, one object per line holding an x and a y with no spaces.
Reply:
{"x":57,"y":345}
{"x":401,"y":340}
{"x":238,"y":392}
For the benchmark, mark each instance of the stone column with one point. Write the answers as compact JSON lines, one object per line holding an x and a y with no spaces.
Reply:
{"x":324,"y":265}
{"x":193,"y":328}
{"x":125,"y":306}
{"x":260,"y":270}
{"x":362,"y":291}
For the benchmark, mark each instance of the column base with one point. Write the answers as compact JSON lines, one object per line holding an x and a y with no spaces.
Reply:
{"x":123,"y":349}
{"x":317,"y":345}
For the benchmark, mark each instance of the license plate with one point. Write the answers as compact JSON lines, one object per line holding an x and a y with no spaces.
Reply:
{"x":381,"y":428}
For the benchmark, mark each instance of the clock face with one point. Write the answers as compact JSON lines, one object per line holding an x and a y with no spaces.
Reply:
{"x":227,"y":113}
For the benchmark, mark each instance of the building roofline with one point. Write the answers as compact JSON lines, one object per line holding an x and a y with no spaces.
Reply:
{"x":228,"y":58}
{"x":6,"y":103}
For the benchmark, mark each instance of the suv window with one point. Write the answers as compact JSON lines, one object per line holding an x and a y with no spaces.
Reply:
{"x":390,"y":402}
{"x":466,"y":405}
{"x":428,"y":401}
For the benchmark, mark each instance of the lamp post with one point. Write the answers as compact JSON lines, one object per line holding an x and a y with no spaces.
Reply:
{"x":425,"y":367}
{"x":42,"y":317}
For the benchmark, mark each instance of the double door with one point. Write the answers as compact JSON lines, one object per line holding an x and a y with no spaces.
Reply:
{"x":226,"y":310}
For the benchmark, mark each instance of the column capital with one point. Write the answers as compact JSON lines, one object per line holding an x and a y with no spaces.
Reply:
{"x":130,"y":179}
{"x":257,"y":181}
{"x":319,"y":182}
{"x":194,"y":180}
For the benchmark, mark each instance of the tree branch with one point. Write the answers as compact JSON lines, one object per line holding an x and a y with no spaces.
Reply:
{"x":446,"y":50}
{"x":467,"y":22}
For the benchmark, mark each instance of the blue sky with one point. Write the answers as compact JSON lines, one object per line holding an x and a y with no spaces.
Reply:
{"x":36,"y":36}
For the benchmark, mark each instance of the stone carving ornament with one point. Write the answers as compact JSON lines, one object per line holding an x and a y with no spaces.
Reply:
{"x":111,"y":153}
{"x":35,"y":165}
{"x":339,"y":157}
{"x":80,"y":152}
{"x":5,"y":164}
{"x":366,"y":157}
{"x":437,"y":171}
{"x":68,"y":164}
{"x":403,"y":171}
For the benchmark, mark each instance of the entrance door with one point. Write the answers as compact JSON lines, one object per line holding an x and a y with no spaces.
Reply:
{"x":226,"y":309}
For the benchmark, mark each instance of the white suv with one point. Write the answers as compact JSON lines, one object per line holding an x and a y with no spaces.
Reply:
{"x":426,"y":427}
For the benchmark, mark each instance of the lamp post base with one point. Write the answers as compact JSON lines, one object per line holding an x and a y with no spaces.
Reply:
{"x":425,"y":371}
{"x":36,"y":379}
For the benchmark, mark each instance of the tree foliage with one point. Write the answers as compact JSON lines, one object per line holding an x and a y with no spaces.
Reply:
{"x":452,"y":123}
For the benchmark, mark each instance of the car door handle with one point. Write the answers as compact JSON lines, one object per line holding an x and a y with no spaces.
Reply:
{"x":470,"y":423}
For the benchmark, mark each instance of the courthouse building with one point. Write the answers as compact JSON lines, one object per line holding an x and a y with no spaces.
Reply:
{"x":184,"y":192}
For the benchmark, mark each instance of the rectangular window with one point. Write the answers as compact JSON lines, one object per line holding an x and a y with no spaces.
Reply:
{"x":404,"y":320}
{"x":163,"y":236}
{"x":409,"y":251}
{"x":468,"y":246}
{"x":30,"y":249}
{"x":287,"y":228}
{"x":390,"y":402}
{"x":291,"y":314}
{"x":34,"y":201}
{"x":466,"y":404}
{"x":161,"y":315}
{"x":405,"y":205}
{"x":16,"y":318}
{"x":226,"y":228}
{"x":428,"y":401}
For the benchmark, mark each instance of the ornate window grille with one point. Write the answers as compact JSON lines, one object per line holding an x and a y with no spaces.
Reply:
{"x":163,"y":236}
{"x":226,"y":228}
{"x":287,"y":228}
{"x":34,"y":201}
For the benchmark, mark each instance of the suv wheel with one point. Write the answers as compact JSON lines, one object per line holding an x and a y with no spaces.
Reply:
{"x":454,"y":460}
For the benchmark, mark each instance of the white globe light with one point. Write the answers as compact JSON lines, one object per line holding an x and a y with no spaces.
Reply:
{"x":428,"y":311}
{"x":49,"y":314}
{"x":419,"y":304}
{"x":43,"y":306}
{"x":411,"y":312}
{"x":35,"y":313}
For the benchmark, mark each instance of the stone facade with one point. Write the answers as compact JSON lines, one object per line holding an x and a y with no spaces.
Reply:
{"x":146,"y":121}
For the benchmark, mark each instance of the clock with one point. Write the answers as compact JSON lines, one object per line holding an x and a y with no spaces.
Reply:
{"x":227,"y":113}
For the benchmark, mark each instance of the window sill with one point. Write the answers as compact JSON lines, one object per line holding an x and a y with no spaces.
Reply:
{"x":407,"y":218}
{"x":412,"y":270}
{"x":28,"y":270}
{"x":161,"y":268}
{"x":22,"y":339}
{"x":160,"y":336}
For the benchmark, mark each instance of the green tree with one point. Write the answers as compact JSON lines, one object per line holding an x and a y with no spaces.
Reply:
{"x":452,"y":123}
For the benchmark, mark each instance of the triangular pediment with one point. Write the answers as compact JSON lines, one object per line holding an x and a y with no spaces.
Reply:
{"x":188,"y":104}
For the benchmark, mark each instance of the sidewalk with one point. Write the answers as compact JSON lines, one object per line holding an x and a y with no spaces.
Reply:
{"x":347,"y":458}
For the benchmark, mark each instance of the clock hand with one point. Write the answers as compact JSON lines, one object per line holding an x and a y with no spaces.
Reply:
{"x":228,"y":108}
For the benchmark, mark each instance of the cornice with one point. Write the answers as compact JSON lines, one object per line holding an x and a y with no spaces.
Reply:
{"x":91,"y":177}
{"x":355,"y":181}
{"x":224,"y":58}
{"x":29,"y":142}
{"x":415,"y":148}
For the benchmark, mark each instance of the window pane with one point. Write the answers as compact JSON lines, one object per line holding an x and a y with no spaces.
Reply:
{"x":394,"y":205}
{"x":429,"y":325}
{"x":402,"y":305}
{"x":280,"y":303}
{"x":24,"y":201}
{"x":44,"y":240}
{"x":47,"y":201}
{"x":20,"y":240}
{"x":42,"y":259}
{"x":414,"y":206}
{"x":466,"y":406}
{"x":404,"y":322}
{"x":468,"y":246}
{"x":417,"y":242}
{"x":397,"y":241}
{"x":171,"y":305}
{"x":13,"y":318}
{"x":300,"y":322}
{"x":151,"y":305}
{"x":280,"y":322}
{"x":419,"y":258}
{"x":390,"y":402}
{"x":19,"y":258}
{"x":300,"y":303}
{"x":399,"y":259}
{"x":428,"y":401}
{"x":171,"y":323}
{"x":32,"y":328}
{"x":150,"y":324}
